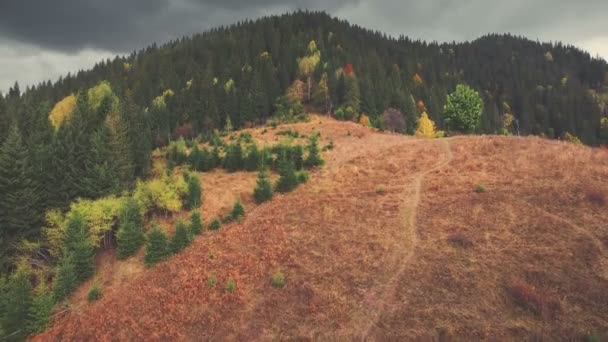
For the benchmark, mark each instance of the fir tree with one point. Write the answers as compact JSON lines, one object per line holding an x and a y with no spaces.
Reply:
{"x":287,"y":177}
{"x":130,"y":234}
{"x":18,"y":301}
{"x":263,"y":187}
{"x":252,"y":161}
{"x":78,"y":245}
{"x":196,"y":223}
{"x":238,"y":211}
{"x":193,"y":199}
{"x":233,"y":161}
{"x":41,"y":309}
{"x":181,"y":238}
{"x":314,"y":155}
{"x":157,"y":247}
{"x":66,"y":278}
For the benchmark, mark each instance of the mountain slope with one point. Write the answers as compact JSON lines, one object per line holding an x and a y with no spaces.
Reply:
{"x":388,"y":240}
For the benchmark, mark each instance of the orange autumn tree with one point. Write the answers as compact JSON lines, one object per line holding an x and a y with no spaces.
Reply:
{"x":426,"y":127}
{"x":364,"y":120}
{"x":62,"y":110}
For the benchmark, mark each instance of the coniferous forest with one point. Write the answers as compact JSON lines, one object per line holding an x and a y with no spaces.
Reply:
{"x":91,"y":134}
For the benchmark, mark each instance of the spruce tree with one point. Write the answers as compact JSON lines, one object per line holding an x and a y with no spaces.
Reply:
{"x":130,"y":234}
{"x":233,"y":160}
{"x":263,"y":187}
{"x":157,"y":247}
{"x":18,"y":301}
{"x":78,"y":245}
{"x":287,"y":177}
{"x":181,"y":238}
{"x":66,"y":278}
{"x":196,"y":223}
{"x":238,"y":211}
{"x":314,"y":155}
{"x":41,"y":309}
{"x":252,"y":161}
{"x":193,"y":199}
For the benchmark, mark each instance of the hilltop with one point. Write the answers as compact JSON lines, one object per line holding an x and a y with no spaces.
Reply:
{"x":470,"y":237}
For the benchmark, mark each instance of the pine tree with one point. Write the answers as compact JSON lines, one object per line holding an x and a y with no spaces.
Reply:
{"x":20,"y":214}
{"x":78,"y":245}
{"x":18,"y":301}
{"x":101,"y":178}
{"x":66,"y":278}
{"x":238,"y":211}
{"x":121,"y":151}
{"x":196,"y":223}
{"x":130,"y":234}
{"x":287,"y":177}
{"x":314,"y":155}
{"x":193,"y":199}
{"x":157,"y":247}
{"x":263,"y":187}
{"x":181,"y":237}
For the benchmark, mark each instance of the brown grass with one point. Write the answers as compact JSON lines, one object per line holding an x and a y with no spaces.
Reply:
{"x":357,"y":269}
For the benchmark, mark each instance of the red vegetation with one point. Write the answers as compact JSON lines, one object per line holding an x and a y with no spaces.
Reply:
{"x":526,"y":296}
{"x":348,"y":69}
{"x":596,"y":197}
{"x":184,"y":131}
{"x":458,"y":239}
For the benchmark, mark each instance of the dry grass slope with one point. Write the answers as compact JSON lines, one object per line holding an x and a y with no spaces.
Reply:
{"x":424,"y":258}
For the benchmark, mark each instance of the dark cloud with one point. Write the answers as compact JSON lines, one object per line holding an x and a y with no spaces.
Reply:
{"x":74,"y":31}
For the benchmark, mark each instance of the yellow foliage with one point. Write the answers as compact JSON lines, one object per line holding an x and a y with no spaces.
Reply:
{"x":99,"y":93}
{"x":160,"y":102}
{"x":126,"y":66}
{"x":189,"y":84}
{"x":440,"y":134}
{"x":265,"y":54}
{"x":364,"y":120}
{"x":62,"y":111}
{"x":161,"y":193}
{"x":417,"y":79}
{"x":426,"y":127}
{"x":571,"y":138}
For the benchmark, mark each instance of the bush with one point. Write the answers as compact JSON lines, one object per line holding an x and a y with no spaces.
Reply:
{"x":233,"y":161}
{"x":181,"y":238}
{"x":287,"y":177}
{"x":193,"y":199}
{"x":263,"y":187}
{"x":176,"y":152}
{"x":302,"y":176}
{"x":329,"y":146}
{"x":479,"y":188}
{"x":94,"y":293}
{"x":278,"y":280}
{"x":596,"y":197}
{"x":463,"y":109}
{"x":196,"y":223}
{"x":156,"y":246}
{"x":252,"y":161}
{"x":230,"y":285}
{"x":215,"y":224}
{"x":238,"y":211}
{"x":130,"y":236}
{"x":212,"y":281}
{"x":380,"y":190}
{"x":571,"y":138}
{"x":41,"y":309}
{"x":459,"y":240}
{"x":526,"y":296}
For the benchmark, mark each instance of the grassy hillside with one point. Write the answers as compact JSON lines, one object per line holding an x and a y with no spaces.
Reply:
{"x":466,"y":238}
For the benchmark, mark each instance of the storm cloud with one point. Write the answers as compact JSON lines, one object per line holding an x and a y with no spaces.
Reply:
{"x":42,"y":40}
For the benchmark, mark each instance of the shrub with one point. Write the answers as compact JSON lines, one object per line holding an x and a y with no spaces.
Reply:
{"x":238,"y":211}
{"x":156,"y":246}
{"x":193,"y":199}
{"x":380,"y":190}
{"x":181,"y":238}
{"x":263,"y":187}
{"x":196,"y":223}
{"x":94,"y":293}
{"x":302,"y":176}
{"x":287,"y":177}
{"x":230,"y":285}
{"x":459,"y":240}
{"x":329,"y":146}
{"x":176,"y":152}
{"x":215,"y":224}
{"x":278,"y":280}
{"x":212,"y":281}
{"x":233,"y":160}
{"x":130,"y":234}
{"x":252,"y":161}
{"x":596,"y":197}
{"x":463,"y":109}
{"x":394,"y":120}
{"x":526,"y":296}
{"x":571,"y":138}
{"x":479,"y":188}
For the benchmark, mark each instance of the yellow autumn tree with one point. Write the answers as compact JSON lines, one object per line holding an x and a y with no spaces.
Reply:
{"x":426,"y":127}
{"x":308,"y":64}
{"x":364,"y":120}
{"x":63,"y":110}
{"x":99,"y":93}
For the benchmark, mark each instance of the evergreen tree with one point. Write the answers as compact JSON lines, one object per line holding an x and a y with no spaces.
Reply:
{"x":252,"y":161}
{"x":121,"y":151}
{"x":101,"y":178}
{"x":263,"y":187}
{"x":181,"y":238}
{"x":287,"y":177}
{"x":18,"y":301}
{"x":233,"y":161}
{"x":194,"y":193}
{"x":20,"y":213}
{"x":130,"y":234}
{"x":196,"y":223}
{"x":157,"y":247}
{"x":66,"y":277}
{"x":238,"y":211}
{"x":314,"y":155}
{"x":78,"y":245}
{"x":41,"y":309}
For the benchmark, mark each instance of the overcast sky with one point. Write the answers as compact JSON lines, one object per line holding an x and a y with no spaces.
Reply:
{"x":43,"y":39}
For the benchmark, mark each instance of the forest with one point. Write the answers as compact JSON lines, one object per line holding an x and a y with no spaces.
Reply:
{"x":92,"y":134}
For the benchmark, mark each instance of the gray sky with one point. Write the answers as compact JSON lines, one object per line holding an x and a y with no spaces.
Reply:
{"x":43,"y":39}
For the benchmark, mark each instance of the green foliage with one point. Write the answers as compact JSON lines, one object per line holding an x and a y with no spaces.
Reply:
{"x":177,"y":152}
{"x":196,"y":223}
{"x":130,"y":236}
{"x":94,"y":293}
{"x":263,"y":187}
{"x":302,"y":176}
{"x":253,"y":159}
{"x":278,"y":280}
{"x":215,"y":224}
{"x":193,"y":199}
{"x":233,"y":161}
{"x":78,"y":246}
{"x":181,"y":238}
{"x":238,"y":211}
{"x":314,"y":155}
{"x":479,"y":188}
{"x":163,"y":193}
{"x":230,"y":285}
{"x":463,"y":109}
{"x":157,"y":247}
{"x":66,"y":277}
{"x":287,"y":177}
{"x":17,"y":298}
{"x":41,"y":309}
{"x":212,"y":281}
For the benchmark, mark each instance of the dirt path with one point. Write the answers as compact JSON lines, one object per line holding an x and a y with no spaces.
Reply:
{"x":409,"y":212}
